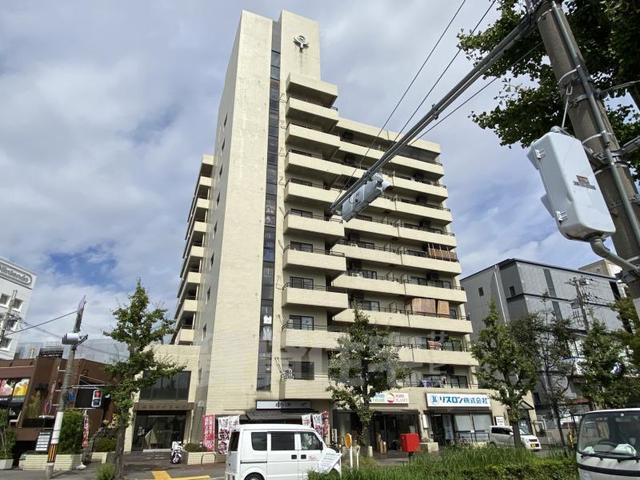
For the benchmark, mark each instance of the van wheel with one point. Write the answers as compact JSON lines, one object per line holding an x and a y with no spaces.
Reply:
{"x":254,"y":476}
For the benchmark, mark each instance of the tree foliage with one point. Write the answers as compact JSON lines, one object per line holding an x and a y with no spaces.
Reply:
{"x":71,"y":432}
{"x":630,"y":334}
{"x":7,"y":436}
{"x":529,"y":103}
{"x":365,"y":364}
{"x":139,"y":327}
{"x":604,"y":369}
{"x":506,"y":365}
{"x":547,"y":339}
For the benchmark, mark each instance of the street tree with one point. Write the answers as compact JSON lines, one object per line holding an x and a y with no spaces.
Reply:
{"x":604,"y":367}
{"x":139,"y":327}
{"x":366,"y":363}
{"x":548,"y":340}
{"x":630,"y":333}
{"x":505,"y":366}
{"x":529,"y":103}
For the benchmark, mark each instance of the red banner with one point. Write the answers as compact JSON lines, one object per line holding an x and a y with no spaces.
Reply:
{"x":85,"y":430}
{"x":208,"y":431}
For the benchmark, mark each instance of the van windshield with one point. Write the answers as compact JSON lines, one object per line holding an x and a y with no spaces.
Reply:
{"x":610,"y":434}
{"x":233,"y":442}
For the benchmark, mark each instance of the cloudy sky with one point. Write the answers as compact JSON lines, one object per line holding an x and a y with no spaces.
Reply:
{"x":106,"y":107}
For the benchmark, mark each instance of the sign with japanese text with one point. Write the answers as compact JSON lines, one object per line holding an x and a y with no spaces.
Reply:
{"x":209,"y":431}
{"x":458,"y":400}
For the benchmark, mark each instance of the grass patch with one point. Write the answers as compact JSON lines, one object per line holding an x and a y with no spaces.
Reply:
{"x":486,"y":463}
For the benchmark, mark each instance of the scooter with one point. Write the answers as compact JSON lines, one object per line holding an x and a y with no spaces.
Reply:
{"x":176,"y":452}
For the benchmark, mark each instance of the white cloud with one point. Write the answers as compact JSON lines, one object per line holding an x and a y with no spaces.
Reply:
{"x":108,"y":106}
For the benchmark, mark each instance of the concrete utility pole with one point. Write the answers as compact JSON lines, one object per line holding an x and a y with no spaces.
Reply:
{"x":580,"y":298}
{"x":5,"y":318}
{"x":591,"y":125}
{"x":73,"y":339}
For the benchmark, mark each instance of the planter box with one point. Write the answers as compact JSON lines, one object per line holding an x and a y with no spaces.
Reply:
{"x":102,"y":457}
{"x":39,"y":462}
{"x":199,"y":458}
{"x":6,"y":463}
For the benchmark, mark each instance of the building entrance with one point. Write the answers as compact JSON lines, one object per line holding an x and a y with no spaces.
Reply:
{"x":387,"y":427}
{"x":156,"y":430}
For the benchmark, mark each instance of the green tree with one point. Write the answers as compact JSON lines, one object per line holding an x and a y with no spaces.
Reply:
{"x":7,"y":436}
{"x":139,"y":327}
{"x":630,"y":333}
{"x":548,"y":339}
{"x":604,"y":368}
{"x":366,"y":363}
{"x":608,"y":33}
{"x":506,"y":366}
{"x":71,"y":432}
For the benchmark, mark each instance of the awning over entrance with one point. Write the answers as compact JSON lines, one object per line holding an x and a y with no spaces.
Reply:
{"x":275,"y":415}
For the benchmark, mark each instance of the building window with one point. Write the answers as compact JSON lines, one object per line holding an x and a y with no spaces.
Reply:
{"x":224,"y":141}
{"x":220,"y":171}
{"x":512,"y":291}
{"x":224,"y":124}
{"x":302,"y":370}
{"x":301,"y":246}
{"x":215,"y":229}
{"x":212,"y":259}
{"x":301,"y":322}
{"x":168,"y":388}
{"x":5,"y":343}
{"x":204,"y":332}
{"x":208,"y":294}
{"x":218,"y":200}
{"x":481,"y":292}
{"x":300,"y":282}
{"x":371,"y":305}
{"x":4,"y":299}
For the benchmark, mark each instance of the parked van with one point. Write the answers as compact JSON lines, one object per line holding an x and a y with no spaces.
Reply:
{"x":503,"y":437}
{"x":278,"y":452}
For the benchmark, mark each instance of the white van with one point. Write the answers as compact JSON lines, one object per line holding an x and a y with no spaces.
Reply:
{"x":503,"y":437}
{"x":278,"y":452}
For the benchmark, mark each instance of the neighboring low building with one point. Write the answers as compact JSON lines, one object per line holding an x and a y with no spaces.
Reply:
{"x":520,"y":287}
{"x":13,"y":278}
{"x":30,"y":391}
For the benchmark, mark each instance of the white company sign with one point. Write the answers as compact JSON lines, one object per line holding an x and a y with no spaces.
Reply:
{"x":389,"y":398}
{"x":458,"y":400}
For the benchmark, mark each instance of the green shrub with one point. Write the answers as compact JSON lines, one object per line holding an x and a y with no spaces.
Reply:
{"x":104,"y":444}
{"x":7,"y":437}
{"x":472,"y":464}
{"x":195,"y":447}
{"x":106,"y":471}
{"x":71,"y":432}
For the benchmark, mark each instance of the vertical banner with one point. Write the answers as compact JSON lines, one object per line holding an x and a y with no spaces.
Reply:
{"x":209,"y":431}
{"x":306,"y":420}
{"x":326,"y":430}
{"x":226,"y":425}
{"x":85,"y":430}
{"x":317,"y":424}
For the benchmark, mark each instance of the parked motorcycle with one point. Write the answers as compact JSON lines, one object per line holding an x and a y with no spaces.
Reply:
{"x":176,"y":452}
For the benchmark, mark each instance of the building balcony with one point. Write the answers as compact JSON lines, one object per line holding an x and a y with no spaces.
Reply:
{"x":310,"y":113}
{"x":411,"y":231}
{"x":307,"y":192}
{"x":410,"y":207}
{"x":376,"y":228}
{"x":315,"y":389}
{"x":354,"y":281}
{"x":307,"y":338}
{"x":195,"y":252}
{"x":445,"y":357}
{"x":204,"y":181}
{"x":420,"y":186}
{"x":184,"y":336}
{"x":422,"y":260}
{"x":199,"y":207}
{"x":316,"y":260}
{"x":315,"y":225}
{"x":413,"y":164}
{"x":314,"y":297}
{"x":399,"y":318}
{"x":366,"y":252}
{"x":191,"y":279}
{"x":305,"y":137}
{"x":187,"y":307}
{"x":456,"y":295}
{"x":306,"y":87}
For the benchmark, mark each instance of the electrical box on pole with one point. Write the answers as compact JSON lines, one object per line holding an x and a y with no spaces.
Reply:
{"x":573,"y":196}
{"x":363,"y":196}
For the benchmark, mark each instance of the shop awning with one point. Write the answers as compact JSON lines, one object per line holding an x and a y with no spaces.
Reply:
{"x":274,"y":415}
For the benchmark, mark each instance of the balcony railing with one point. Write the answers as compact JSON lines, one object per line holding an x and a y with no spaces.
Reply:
{"x":447,"y":255}
{"x":394,"y":198}
{"x":325,"y":288}
{"x":312,"y":249}
{"x":373,"y":308}
{"x":312,"y":216}
{"x":456,"y":345}
{"x":436,"y":381}
{"x":299,"y":325}
{"x":405,"y":152}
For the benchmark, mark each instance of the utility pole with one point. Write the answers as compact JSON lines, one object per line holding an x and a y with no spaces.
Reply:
{"x":74,"y":339}
{"x":591,"y":125}
{"x":580,"y":298}
{"x":5,"y":318}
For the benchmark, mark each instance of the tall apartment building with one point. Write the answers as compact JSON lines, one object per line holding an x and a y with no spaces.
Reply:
{"x":520,"y":288}
{"x":269,"y":279}
{"x":13,"y":278}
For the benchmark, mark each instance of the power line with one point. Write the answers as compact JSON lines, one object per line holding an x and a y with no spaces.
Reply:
{"x":413,"y":80}
{"x":446,"y":69}
{"x":43,"y":323}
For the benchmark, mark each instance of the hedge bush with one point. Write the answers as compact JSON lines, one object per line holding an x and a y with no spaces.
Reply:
{"x":195,"y":447}
{"x":71,"y":432}
{"x":104,"y":444}
{"x":106,"y":471}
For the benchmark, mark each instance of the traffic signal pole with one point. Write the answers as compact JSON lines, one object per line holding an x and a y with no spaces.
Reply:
{"x":591,"y":125}
{"x":62,"y":401}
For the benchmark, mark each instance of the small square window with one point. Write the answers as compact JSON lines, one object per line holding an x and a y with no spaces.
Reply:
{"x":224,"y":124}
{"x":4,"y":299}
{"x":481,"y":292}
{"x":208,"y":294}
{"x":220,"y":172}
{"x":213,"y":255}
{"x":512,"y":291}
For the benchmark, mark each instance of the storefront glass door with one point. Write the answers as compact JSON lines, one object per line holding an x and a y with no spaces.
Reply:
{"x":157,"y":430}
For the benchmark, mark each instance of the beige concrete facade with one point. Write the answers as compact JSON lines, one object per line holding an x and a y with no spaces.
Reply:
{"x":396,"y":261}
